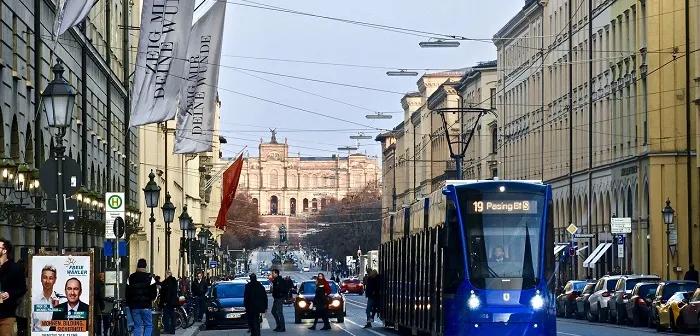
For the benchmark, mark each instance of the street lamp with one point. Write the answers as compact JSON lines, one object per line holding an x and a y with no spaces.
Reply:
{"x":458,"y":146}
{"x":168,"y":217}
{"x":152,"y":193}
{"x":185,"y":223}
{"x":190,"y":253}
{"x":58,"y":100}
{"x":439,"y":44}
{"x":401,"y":73}
{"x":667,"y":213}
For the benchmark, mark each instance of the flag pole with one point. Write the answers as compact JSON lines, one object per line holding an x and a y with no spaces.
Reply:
{"x":223,"y":169}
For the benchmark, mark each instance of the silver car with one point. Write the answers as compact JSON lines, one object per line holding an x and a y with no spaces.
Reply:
{"x":598,"y":301}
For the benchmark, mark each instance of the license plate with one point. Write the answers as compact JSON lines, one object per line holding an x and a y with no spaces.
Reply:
{"x":233,"y":315}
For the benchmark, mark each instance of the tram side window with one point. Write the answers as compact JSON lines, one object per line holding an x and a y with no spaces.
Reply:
{"x":453,"y":253}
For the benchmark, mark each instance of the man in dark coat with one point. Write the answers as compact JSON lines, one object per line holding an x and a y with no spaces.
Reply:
{"x":12,"y":287}
{"x":141,"y":290}
{"x":692,"y":274}
{"x":199,"y":290}
{"x":372,"y":292}
{"x":255,"y":303}
{"x":169,"y":299}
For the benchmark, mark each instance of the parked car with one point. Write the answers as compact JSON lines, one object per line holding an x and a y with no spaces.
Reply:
{"x":566,"y":300}
{"x":225,"y":305}
{"x":267,"y":284}
{"x":687,"y":318}
{"x":623,"y":290}
{"x":598,"y":301}
{"x":669,"y":312}
{"x":582,"y":300}
{"x":663,"y":293}
{"x":639,"y":302}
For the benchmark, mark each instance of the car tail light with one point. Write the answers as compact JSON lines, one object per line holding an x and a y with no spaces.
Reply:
{"x":641,"y":302}
{"x":573,"y":296}
{"x":606,"y":294}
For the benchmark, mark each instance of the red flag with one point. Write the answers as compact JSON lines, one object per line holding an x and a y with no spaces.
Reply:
{"x":230,"y":184}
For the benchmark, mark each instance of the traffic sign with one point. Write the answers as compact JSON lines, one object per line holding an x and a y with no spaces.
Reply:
{"x":119,"y":227}
{"x":620,"y":225}
{"x":584,"y":235}
{"x":114,"y":208}
{"x":72,"y":176}
{"x":572,"y":229}
{"x":572,"y":251}
{"x":212,"y":264}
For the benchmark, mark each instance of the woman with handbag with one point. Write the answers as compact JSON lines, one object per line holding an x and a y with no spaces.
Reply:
{"x":321,"y":298}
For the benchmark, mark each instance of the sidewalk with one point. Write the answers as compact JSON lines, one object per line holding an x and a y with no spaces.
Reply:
{"x":191,"y":331}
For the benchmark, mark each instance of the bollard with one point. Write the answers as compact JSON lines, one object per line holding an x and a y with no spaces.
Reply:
{"x":156,"y":314}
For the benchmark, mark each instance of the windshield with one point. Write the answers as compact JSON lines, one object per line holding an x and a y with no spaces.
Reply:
{"x":227,"y":291}
{"x":578,"y":286}
{"x":265,"y":282}
{"x":630,"y":283}
{"x":502,"y":231}
{"x":672,"y":288}
{"x":590,"y":288}
{"x":645,"y":290}
{"x":309,"y":287}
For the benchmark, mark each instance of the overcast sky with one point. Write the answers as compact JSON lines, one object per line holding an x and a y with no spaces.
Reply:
{"x":262,"y":33}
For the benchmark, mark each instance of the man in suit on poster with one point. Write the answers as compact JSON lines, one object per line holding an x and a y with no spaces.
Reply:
{"x":73,"y":309}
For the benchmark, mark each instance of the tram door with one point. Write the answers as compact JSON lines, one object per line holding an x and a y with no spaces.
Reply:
{"x":453,"y":270}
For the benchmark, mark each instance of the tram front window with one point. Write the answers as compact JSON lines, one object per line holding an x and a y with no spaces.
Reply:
{"x":503,"y":235}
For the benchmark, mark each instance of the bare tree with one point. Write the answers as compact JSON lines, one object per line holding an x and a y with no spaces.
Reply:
{"x":349,"y":224}
{"x":243,"y":227}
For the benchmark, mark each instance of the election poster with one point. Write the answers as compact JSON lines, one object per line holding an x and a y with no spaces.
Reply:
{"x":61,"y":288}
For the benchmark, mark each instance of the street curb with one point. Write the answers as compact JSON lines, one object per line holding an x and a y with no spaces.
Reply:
{"x":191,"y":331}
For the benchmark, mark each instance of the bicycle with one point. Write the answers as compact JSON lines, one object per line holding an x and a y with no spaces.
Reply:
{"x":117,"y":318}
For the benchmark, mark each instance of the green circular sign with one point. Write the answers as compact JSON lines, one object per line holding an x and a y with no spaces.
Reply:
{"x":114,"y":202}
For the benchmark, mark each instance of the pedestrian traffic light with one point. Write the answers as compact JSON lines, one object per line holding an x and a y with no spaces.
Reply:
{"x":572,"y":251}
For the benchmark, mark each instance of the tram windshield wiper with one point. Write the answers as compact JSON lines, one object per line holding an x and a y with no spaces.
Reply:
{"x":486,"y":265}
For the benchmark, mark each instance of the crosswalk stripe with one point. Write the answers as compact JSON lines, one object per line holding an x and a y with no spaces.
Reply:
{"x":265,"y":324}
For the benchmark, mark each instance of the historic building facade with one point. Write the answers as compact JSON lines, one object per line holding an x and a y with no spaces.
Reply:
{"x":285,"y":185}
{"x":615,"y":139}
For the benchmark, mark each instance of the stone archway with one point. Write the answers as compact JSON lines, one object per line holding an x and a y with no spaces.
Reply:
{"x":274,"y":205}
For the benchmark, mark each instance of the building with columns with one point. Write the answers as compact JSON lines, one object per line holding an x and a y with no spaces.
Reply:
{"x":287,"y":185}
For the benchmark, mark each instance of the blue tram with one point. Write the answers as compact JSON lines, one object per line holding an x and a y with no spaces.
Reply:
{"x":474,"y":258}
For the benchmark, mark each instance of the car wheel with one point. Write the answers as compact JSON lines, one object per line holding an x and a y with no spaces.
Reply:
{"x":341,"y":319}
{"x":297,"y":319}
{"x":589,"y":315}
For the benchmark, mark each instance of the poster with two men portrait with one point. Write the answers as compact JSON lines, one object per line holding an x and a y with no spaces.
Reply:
{"x":60,"y":288}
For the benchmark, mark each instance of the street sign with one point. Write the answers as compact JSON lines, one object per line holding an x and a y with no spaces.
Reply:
{"x":620,"y":225}
{"x":119,"y":227}
{"x":572,"y":229}
{"x":212,"y":264}
{"x":114,"y":208}
{"x":620,"y":250}
{"x":584,"y":235}
{"x":620,"y":239}
{"x":72,"y":177}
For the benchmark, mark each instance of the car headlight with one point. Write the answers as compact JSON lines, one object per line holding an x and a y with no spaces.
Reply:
{"x":537,"y":302}
{"x":302,"y":304}
{"x":335,"y":303}
{"x":473,"y":302}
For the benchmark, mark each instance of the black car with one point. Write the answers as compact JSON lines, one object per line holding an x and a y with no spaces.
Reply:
{"x":303,"y":306}
{"x":225,"y":305}
{"x":566,"y":300}
{"x":581,"y":301}
{"x":640,"y":300}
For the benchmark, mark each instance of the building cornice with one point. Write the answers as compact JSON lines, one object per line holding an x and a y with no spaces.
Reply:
{"x":517,"y":24}
{"x":435,"y":99}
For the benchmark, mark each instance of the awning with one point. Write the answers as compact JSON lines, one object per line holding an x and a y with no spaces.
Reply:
{"x":578,"y":252}
{"x":558,"y":248}
{"x":600,"y":253}
{"x":593,"y":254}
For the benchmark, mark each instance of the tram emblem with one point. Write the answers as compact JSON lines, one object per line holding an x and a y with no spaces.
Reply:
{"x":506,"y":296}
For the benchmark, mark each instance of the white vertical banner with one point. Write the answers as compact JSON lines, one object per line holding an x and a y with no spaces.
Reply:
{"x":160,"y":62}
{"x":70,"y":13}
{"x":198,"y":96}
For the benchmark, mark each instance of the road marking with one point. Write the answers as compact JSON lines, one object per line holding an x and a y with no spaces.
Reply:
{"x":568,"y":334}
{"x":345,"y":330}
{"x":265,"y":324}
{"x":355,"y":304}
{"x":368,"y":329}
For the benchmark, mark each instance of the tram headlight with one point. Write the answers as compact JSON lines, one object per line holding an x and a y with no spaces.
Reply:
{"x":473,"y":302}
{"x":537,"y":302}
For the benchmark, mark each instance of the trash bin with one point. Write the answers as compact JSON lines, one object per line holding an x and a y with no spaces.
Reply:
{"x":156,"y":322}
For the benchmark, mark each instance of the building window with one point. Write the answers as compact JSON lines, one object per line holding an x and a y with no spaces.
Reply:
{"x":493,"y":98}
{"x":255,"y":202}
{"x":273,"y":205}
{"x":314,"y":205}
{"x":494,"y":140}
{"x":305,"y":205}
{"x":494,"y":172}
{"x":293,"y":206}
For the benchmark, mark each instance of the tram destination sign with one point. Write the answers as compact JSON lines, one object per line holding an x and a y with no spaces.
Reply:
{"x":503,"y":207}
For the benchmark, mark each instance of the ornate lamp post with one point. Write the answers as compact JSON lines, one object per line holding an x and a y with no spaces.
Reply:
{"x":667,"y":214}
{"x":58,"y":100}
{"x":203,"y":238}
{"x":185,"y":224}
{"x":190,"y":252}
{"x":168,"y":217}
{"x":152,"y":193}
